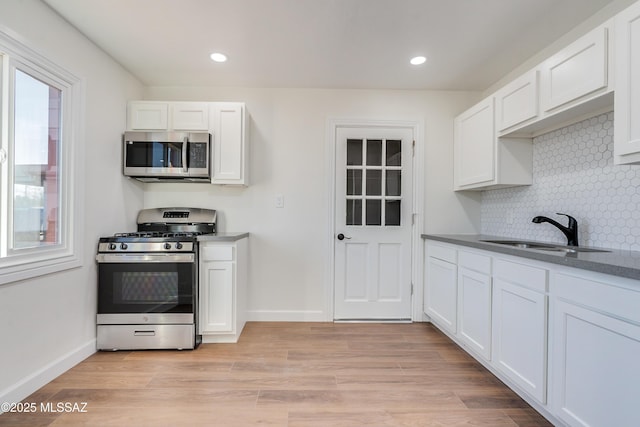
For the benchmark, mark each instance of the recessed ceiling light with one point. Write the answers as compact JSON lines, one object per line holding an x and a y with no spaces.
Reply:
{"x":218,"y":57}
{"x":417,"y":60}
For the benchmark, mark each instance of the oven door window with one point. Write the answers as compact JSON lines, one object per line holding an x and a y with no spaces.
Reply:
{"x":146,"y":288}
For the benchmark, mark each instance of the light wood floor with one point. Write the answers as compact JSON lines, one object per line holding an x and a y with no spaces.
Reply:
{"x":288,"y":374}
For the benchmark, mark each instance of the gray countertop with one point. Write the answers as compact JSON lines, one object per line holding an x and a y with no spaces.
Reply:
{"x":615,"y":262}
{"x":223,"y":237}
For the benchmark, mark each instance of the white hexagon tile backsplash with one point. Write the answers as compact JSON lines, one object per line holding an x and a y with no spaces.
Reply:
{"x":573,"y":173}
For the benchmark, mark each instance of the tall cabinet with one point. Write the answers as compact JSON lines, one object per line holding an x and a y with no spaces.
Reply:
{"x":228,"y":123}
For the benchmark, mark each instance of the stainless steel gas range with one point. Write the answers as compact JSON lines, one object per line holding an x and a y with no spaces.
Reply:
{"x":148,"y":281}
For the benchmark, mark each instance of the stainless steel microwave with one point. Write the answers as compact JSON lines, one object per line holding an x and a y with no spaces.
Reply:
{"x":167,"y":156}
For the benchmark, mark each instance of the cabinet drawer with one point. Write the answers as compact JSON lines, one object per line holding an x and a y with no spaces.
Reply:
{"x":444,"y":253}
{"x":520,"y":274}
{"x":608,"y":296}
{"x":474,"y":261}
{"x":217,"y":253}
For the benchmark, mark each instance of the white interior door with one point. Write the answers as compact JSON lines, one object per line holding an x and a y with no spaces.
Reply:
{"x":373,"y":227}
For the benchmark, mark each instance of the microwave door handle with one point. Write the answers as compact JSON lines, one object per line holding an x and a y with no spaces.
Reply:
{"x":185,"y":151}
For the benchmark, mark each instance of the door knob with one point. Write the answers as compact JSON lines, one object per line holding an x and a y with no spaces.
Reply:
{"x":342,"y":237}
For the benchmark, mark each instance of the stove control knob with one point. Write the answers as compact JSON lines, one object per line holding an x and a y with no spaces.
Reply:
{"x":123,"y":246}
{"x":178,"y":245}
{"x":112,"y":246}
{"x":167,"y":246}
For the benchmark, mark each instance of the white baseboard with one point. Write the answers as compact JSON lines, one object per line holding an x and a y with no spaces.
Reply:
{"x":287,"y":316}
{"x":35,"y":381}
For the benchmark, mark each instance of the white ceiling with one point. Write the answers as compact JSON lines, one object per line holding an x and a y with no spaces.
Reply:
{"x":470,"y":44}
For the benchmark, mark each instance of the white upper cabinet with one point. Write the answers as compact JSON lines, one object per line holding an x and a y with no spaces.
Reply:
{"x":481,"y":159}
{"x":579,"y":70}
{"x":164,"y":116}
{"x":148,"y":115}
{"x":627,"y":99}
{"x":474,"y":138}
{"x":517,"y":102}
{"x":229,"y":135}
{"x":190,"y":116}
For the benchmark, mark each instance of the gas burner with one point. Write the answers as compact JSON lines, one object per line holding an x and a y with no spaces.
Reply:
{"x":140,"y":234}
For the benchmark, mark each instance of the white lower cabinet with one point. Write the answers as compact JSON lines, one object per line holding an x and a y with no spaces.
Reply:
{"x":595,"y":367}
{"x":474,"y":302}
{"x":567,"y":340}
{"x":520,"y":326}
{"x":222,"y":296}
{"x":440,"y":294}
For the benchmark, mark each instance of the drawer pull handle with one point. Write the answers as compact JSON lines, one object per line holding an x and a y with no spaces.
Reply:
{"x":144,"y":333}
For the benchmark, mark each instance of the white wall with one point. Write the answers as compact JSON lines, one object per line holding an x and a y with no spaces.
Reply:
{"x":289,"y":246}
{"x":48,"y":323}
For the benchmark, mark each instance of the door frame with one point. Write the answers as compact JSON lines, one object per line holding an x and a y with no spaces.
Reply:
{"x":417,"y":127}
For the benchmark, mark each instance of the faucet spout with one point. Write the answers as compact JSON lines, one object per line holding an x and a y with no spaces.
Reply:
{"x":570,"y":231}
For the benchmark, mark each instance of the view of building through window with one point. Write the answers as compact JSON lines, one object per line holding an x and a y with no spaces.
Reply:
{"x":36,"y":192}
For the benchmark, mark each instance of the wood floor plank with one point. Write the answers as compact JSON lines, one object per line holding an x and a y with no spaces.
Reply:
{"x":288,"y":374}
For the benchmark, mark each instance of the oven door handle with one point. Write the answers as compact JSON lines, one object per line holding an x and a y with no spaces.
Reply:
{"x":138,"y":258}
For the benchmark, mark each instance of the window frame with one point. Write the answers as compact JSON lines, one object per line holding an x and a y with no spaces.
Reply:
{"x":25,"y":263}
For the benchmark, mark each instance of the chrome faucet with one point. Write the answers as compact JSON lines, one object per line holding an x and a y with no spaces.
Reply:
{"x":571,"y":231}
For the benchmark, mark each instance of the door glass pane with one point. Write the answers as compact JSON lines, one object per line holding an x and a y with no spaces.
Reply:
{"x":374,"y":152}
{"x":354,"y":182}
{"x":374,"y":212}
{"x":354,"y":212}
{"x":393,"y":182}
{"x":354,"y":152}
{"x":394,"y":152}
{"x":374,"y":182}
{"x":36,"y":185}
{"x":392,"y":212}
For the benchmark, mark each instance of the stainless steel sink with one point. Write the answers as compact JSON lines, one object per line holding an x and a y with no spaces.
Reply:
{"x":543,"y":246}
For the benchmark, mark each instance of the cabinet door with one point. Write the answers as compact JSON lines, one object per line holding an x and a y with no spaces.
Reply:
{"x":518,"y":101}
{"x":519,"y":336}
{"x":595,"y":369}
{"x":148,"y":115}
{"x":216,"y":297}
{"x":190,"y":116}
{"x":627,"y":99}
{"x":576,"y":71}
{"x":441,"y":293}
{"x":474,"y":145}
{"x":229,"y":154}
{"x":474,"y":311}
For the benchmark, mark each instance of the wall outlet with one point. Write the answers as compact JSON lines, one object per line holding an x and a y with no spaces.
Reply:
{"x":279,"y":202}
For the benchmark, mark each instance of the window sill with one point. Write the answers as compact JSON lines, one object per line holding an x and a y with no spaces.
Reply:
{"x":32,"y":270}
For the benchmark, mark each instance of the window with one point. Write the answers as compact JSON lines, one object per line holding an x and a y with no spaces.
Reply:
{"x":38,"y":152}
{"x":374,"y":173}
